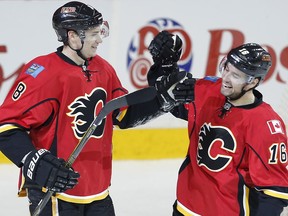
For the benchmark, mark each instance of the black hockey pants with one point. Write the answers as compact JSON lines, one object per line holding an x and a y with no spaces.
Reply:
{"x":97,"y":208}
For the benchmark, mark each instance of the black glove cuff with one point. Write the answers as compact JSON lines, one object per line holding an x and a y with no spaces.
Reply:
{"x":32,"y":162}
{"x":158,"y":70}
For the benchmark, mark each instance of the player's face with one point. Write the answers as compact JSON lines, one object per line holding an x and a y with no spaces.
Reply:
{"x":233,"y":81}
{"x":91,"y":41}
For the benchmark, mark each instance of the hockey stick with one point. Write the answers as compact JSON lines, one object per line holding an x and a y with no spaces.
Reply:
{"x":137,"y":97}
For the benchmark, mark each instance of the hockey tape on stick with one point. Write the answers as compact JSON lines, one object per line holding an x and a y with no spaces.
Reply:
{"x":137,"y":97}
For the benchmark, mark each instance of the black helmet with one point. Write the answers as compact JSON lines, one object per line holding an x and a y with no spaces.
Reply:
{"x":75,"y":16}
{"x":251,"y":59}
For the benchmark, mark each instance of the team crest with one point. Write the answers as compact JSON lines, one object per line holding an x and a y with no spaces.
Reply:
{"x":215,"y":146}
{"x":84,"y":110}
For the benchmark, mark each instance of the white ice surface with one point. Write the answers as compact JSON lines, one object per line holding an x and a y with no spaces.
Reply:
{"x":139,"y":188}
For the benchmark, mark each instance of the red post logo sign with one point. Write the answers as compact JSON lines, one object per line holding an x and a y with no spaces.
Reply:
{"x":238,"y":38}
{"x":139,"y":59}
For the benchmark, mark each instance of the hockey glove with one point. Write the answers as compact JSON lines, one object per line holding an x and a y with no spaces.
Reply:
{"x":184,"y":90}
{"x":165,"y":48}
{"x":48,"y":171}
{"x":165,"y":86}
{"x":156,"y":71}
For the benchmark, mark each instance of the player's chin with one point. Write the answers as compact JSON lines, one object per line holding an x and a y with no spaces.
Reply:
{"x":226,"y":91}
{"x":92,"y":54}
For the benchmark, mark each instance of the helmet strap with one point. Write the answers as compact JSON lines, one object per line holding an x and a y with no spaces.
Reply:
{"x":80,"y":54}
{"x":244,"y":91}
{"x":86,"y":62}
{"x":78,"y":51}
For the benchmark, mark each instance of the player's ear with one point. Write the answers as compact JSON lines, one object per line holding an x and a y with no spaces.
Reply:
{"x":71,"y":34}
{"x":73,"y":39}
{"x":254,"y":83}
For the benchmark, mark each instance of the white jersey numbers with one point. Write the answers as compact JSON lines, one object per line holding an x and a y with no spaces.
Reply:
{"x":20,"y":89}
{"x":278,"y":152}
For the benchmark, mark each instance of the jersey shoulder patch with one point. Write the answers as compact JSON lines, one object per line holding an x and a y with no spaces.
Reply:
{"x":34,"y":70}
{"x":211,"y":78}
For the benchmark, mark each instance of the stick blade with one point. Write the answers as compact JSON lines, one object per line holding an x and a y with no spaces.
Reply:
{"x":141,"y":96}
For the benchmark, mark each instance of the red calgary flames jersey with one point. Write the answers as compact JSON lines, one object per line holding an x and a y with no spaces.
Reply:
{"x":54,"y":101}
{"x":230,"y":154}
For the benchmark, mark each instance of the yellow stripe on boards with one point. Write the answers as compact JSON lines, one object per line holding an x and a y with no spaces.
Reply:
{"x":134,"y":144}
{"x":4,"y":159}
{"x":150,"y":143}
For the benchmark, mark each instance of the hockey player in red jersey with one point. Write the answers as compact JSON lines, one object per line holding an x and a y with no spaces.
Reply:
{"x":236,"y":162}
{"x":50,"y":107}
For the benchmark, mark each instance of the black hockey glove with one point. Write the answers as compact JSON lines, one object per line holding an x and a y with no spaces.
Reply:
{"x":165,"y":86}
{"x":156,"y":71}
{"x":184,"y":91}
{"x":165,"y":48}
{"x":48,"y":171}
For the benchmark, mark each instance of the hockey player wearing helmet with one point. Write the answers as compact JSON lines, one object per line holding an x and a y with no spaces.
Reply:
{"x":236,"y":162}
{"x":50,"y":107}
{"x":244,"y":69}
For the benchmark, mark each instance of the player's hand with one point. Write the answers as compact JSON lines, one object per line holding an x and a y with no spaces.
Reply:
{"x":165,"y":86}
{"x":156,"y":71}
{"x":165,"y":48}
{"x":184,"y":90}
{"x":48,"y":171}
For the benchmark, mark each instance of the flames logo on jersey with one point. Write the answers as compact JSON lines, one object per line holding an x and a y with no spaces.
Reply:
{"x":215,"y":146}
{"x":84,"y":110}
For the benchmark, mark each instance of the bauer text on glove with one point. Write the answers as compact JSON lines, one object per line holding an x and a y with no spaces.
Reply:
{"x":48,"y":171}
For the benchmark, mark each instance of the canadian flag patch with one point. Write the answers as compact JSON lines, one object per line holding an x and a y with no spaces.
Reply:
{"x":275,"y":126}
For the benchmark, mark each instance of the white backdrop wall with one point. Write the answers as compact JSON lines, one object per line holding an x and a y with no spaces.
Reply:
{"x":208,"y":28}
